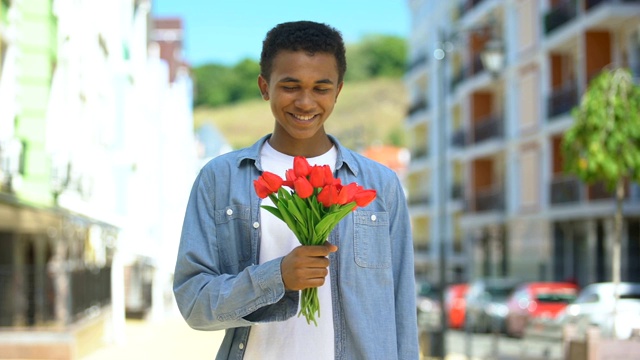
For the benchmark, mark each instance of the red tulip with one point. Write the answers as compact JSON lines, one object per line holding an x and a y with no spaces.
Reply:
{"x":303,"y":187}
{"x":272,"y":181}
{"x":301,"y":166}
{"x":365,"y":197}
{"x":289,"y":175}
{"x":347,"y":193}
{"x":261,"y":188}
{"x":328,"y":176}
{"x":328,"y":195}
{"x":317,"y":176}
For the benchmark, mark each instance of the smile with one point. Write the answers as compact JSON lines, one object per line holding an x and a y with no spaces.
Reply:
{"x":303,"y":118}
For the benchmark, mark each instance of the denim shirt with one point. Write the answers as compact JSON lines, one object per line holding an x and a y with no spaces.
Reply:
{"x":219,"y":284}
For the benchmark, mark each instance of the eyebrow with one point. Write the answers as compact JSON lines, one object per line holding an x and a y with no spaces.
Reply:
{"x":292,"y":79}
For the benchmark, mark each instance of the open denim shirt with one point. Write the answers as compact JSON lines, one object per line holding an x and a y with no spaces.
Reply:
{"x":219,"y":284}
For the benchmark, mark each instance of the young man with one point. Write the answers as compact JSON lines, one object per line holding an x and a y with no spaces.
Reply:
{"x":239,"y":268}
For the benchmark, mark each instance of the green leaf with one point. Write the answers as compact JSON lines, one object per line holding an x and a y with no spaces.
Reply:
{"x":274,"y":210}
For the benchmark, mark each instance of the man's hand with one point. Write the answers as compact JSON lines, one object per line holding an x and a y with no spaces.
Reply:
{"x":306,"y":266}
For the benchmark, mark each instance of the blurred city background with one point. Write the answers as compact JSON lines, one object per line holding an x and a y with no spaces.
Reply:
{"x":526,"y":229}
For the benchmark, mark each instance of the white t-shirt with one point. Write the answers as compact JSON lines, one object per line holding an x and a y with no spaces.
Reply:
{"x":293,"y":338}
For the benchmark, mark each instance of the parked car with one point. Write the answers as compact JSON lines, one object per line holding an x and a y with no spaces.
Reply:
{"x":428,"y":303}
{"x":534,"y":300}
{"x":486,"y":304}
{"x":595,"y":306}
{"x":455,"y":305}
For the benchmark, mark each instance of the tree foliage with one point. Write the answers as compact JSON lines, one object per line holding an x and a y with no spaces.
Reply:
{"x":603,"y":145}
{"x":375,"y":56}
{"x":218,"y":85}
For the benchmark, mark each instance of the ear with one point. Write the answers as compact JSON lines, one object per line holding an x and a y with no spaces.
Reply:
{"x":339,"y":89}
{"x":263,"y":85}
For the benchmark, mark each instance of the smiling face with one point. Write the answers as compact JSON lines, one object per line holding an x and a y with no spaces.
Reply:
{"x":302,"y":90}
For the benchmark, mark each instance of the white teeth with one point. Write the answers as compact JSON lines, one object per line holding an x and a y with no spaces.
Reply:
{"x":304,"y":118}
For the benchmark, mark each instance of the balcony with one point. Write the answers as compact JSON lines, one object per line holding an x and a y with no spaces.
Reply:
{"x":459,"y":138}
{"x":457,"y":191}
{"x":592,"y":3}
{"x":12,"y":158}
{"x":489,"y":199}
{"x":559,"y":16}
{"x":487,"y":128}
{"x":419,"y":154}
{"x":562,"y":100}
{"x":417,"y":62}
{"x":468,"y":5}
{"x":418,"y":106}
{"x":565,"y":189}
{"x":419,"y":199}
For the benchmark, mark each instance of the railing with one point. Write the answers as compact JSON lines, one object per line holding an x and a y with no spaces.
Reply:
{"x":32,"y":295}
{"x":419,"y":153}
{"x":565,"y":189}
{"x":569,"y":189}
{"x":419,"y":199}
{"x":468,"y":5}
{"x":476,"y":65}
{"x":459,"y":138}
{"x":559,"y":15}
{"x":89,"y":288}
{"x":490,"y":199}
{"x":418,"y":106}
{"x":418,"y":61}
{"x":592,"y":3}
{"x":561,"y":101}
{"x":458,"y":77}
{"x":487,"y":128}
{"x":457,"y":191}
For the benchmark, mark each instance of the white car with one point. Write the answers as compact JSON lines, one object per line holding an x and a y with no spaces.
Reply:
{"x":596,"y":303}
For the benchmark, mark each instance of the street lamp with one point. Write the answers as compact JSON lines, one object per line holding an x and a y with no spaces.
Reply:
{"x":492,"y":58}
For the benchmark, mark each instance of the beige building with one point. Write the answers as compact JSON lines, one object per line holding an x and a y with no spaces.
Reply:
{"x":494,"y":192}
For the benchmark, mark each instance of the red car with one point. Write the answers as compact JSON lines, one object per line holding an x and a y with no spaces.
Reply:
{"x":537,"y":300}
{"x":455,"y":305}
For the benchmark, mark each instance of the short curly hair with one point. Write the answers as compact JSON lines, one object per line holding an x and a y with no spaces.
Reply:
{"x":308,"y":36}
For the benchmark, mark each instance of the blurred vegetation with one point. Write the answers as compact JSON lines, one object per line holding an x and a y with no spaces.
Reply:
{"x":375,"y":56}
{"x":603,"y":144}
{"x":367,"y":113}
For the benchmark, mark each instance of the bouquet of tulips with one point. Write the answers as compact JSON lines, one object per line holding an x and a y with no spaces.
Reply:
{"x":311,"y":208}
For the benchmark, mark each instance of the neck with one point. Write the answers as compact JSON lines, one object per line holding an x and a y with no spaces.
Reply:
{"x":312,"y":147}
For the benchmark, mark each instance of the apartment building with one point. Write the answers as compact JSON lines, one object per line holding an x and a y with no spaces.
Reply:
{"x":94,"y":131}
{"x":486,"y":180}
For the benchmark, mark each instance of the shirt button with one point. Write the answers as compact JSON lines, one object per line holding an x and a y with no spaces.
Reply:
{"x":256,"y":225}
{"x":373,"y":218}
{"x":229,"y":212}
{"x":241,"y":346}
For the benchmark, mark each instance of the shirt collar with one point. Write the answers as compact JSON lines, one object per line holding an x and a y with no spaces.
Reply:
{"x":252,"y":153}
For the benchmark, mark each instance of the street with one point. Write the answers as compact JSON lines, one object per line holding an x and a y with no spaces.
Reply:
{"x":168,"y":338}
{"x":171,"y":338}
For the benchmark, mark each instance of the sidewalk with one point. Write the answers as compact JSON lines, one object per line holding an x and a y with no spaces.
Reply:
{"x":169,"y":338}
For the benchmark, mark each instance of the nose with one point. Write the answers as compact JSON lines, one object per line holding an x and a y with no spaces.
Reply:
{"x":305,"y":100}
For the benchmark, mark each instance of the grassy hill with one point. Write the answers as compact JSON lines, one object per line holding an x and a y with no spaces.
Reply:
{"x":366,"y":113}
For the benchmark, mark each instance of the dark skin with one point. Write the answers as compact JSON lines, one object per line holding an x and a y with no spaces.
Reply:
{"x":302,"y":90}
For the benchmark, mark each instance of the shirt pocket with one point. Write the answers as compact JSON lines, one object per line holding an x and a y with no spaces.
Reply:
{"x":233,"y":234}
{"x":372,"y":245}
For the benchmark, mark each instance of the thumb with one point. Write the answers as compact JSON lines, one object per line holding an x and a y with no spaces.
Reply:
{"x":330,"y":246}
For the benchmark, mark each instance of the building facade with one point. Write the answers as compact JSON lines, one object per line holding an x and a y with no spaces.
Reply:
{"x":508,"y":208}
{"x":91,"y":129}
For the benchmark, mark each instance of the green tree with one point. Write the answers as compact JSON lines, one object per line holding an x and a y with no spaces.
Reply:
{"x":603,"y":144}
{"x":377,"y":56}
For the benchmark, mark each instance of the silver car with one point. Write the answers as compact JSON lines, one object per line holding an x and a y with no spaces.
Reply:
{"x":596,"y":303}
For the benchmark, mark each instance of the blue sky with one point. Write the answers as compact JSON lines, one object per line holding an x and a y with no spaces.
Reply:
{"x":226,"y":31}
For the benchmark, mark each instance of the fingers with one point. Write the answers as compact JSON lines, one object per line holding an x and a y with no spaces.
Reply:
{"x":306,"y":266}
